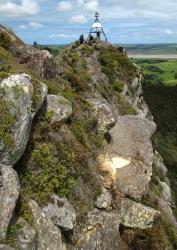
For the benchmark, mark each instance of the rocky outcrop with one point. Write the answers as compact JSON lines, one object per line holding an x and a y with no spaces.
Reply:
{"x":129,"y":156}
{"x":9,"y":192}
{"x":101,"y":232}
{"x":103,"y":112}
{"x":48,"y":235}
{"x":61,"y":212}
{"x":59,"y":107}
{"x":26,"y":236}
{"x":136,"y":215}
{"x":133,"y":94}
{"x":16,"y":98}
{"x":9,"y":38}
{"x":41,"y":61}
{"x":104,"y":201}
{"x":131,"y":137}
{"x":159,"y":165}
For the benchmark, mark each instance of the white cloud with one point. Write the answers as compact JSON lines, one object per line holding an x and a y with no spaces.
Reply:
{"x":89,"y":5}
{"x":79,"y":19}
{"x":169,"y":32}
{"x":31,"y":25}
{"x":65,"y":6}
{"x":61,"y":36}
{"x":26,"y":8}
{"x":22,"y":27}
{"x":35,"y":25}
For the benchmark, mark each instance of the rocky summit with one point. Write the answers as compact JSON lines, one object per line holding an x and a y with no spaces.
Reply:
{"x":78,"y":167}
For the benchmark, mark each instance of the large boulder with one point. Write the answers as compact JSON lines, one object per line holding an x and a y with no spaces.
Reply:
{"x":16,"y":101}
{"x":136,"y":215}
{"x":130,"y":176}
{"x":9,"y":192}
{"x":41,"y":61}
{"x":48,"y":235}
{"x":103,"y":112}
{"x":25,"y":236}
{"x":101,"y":232}
{"x":59,"y":106}
{"x":61,"y":212}
{"x":131,"y":137}
{"x":133,"y":179}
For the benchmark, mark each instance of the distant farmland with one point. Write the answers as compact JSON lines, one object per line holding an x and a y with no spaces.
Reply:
{"x":151,"y":49}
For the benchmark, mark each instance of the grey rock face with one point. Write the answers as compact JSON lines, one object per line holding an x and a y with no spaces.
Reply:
{"x":133,"y":179}
{"x":18,"y":89}
{"x":133,"y":95}
{"x":104,"y":200}
{"x":103,"y":112}
{"x":48,"y":235}
{"x":9,"y":192}
{"x":159,"y":165}
{"x":60,"y":107}
{"x":131,"y":138}
{"x":41,"y":61}
{"x":61,"y":212}
{"x":26,"y":236}
{"x":136,"y":215}
{"x":101,"y":233}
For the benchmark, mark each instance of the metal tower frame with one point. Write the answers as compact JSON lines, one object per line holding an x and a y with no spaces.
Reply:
{"x":97,"y":30}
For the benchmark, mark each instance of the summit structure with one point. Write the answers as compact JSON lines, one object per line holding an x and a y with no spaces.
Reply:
{"x":97,"y":29}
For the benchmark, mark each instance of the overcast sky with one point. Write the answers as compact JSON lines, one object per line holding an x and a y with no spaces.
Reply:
{"x":59,"y":22}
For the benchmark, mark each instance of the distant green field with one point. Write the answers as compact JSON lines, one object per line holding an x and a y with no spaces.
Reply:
{"x":148,"y":49}
{"x":162,"y":71}
{"x":160,"y":93}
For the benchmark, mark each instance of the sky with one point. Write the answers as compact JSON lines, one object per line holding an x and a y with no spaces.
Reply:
{"x":62,"y":21}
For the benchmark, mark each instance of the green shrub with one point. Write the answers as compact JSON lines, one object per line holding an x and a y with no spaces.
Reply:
{"x":5,"y":40}
{"x":118,"y":86}
{"x":7,"y":121}
{"x":49,"y":175}
{"x":87,"y":50}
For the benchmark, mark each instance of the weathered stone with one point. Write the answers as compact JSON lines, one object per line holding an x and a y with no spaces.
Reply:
{"x":165,"y":192}
{"x":6,"y":247}
{"x":133,"y":180}
{"x":18,"y":90}
{"x":104,"y":200}
{"x":159,"y":165}
{"x":131,"y":138}
{"x":101,"y":233}
{"x":61,"y":212}
{"x":131,"y":177}
{"x":48,"y":235}
{"x":103,"y":112}
{"x":60,"y":107}
{"x":134,"y":97}
{"x":9,"y":192}
{"x":166,"y":210}
{"x":41,"y":61}
{"x":26,"y":236}
{"x":136,"y":215}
